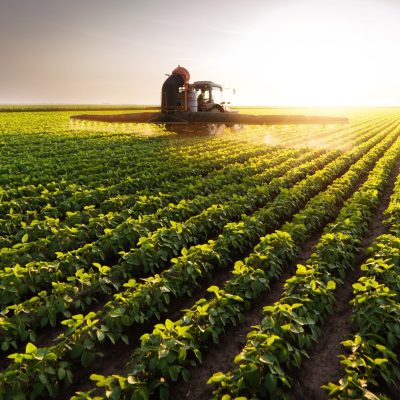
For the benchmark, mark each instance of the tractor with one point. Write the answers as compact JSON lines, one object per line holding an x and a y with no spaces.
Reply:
{"x":180,"y":96}
{"x":198,"y":108}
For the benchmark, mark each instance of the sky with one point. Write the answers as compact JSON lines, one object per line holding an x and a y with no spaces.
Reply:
{"x":275,"y":53}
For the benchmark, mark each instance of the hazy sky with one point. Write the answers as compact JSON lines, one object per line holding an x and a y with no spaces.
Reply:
{"x":274,"y":52}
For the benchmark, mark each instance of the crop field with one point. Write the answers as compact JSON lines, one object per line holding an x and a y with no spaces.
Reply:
{"x":259,"y":264}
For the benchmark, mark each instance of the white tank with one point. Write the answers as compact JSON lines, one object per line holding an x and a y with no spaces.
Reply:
{"x":192,"y":101}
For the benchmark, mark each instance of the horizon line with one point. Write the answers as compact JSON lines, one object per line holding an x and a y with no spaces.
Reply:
{"x":233,"y":106}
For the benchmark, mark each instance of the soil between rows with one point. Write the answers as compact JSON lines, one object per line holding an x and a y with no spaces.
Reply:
{"x":48,"y":335}
{"x":219,"y":357}
{"x":115,"y":358}
{"x":324,"y":366}
{"x":321,"y":364}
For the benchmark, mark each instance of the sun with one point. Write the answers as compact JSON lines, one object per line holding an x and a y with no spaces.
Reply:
{"x":318,"y":57}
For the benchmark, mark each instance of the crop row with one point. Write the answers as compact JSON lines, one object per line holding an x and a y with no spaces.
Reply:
{"x":35,"y":276}
{"x":76,"y":188}
{"x":291,"y":325}
{"x":165,"y":353}
{"x":139,"y":158}
{"x":77,"y":198}
{"x":28,"y":223}
{"x":90,"y":203}
{"x":78,"y":157}
{"x":125,"y":157}
{"x":371,"y":362}
{"x":127,"y":307}
{"x":105,"y":278}
{"x":69,"y":238}
{"x":138,"y":202}
{"x":157,"y":250}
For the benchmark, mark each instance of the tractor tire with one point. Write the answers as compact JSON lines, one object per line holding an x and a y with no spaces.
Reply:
{"x":236,"y":128}
{"x":211,"y":129}
{"x":178,"y":129}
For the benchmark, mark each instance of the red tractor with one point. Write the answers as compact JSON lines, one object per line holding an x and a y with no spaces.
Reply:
{"x":198,"y":108}
{"x":179,"y":96}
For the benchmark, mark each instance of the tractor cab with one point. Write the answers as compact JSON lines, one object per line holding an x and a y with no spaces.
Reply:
{"x":180,"y":96}
{"x":209,"y":95}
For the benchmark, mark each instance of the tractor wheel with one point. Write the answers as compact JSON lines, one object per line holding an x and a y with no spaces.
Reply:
{"x":237,"y":128}
{"x":178,"y":129}
{"x":211,"y":129}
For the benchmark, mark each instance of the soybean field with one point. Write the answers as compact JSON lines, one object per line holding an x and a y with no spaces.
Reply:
{"x":257,"y":264}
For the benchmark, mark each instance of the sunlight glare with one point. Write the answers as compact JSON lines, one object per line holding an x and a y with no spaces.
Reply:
{"x":320,"y":56}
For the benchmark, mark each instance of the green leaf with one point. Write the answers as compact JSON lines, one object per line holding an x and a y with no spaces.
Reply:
{"x":185,"y":375}
{"x":182,"y":354}
{"x":251,"y":376}
{"x":100,"y":335}
{"x":369,"y":395}
{"x":174,"y":372}
{"x":359,"y":287}
{"x":272,"y":339}
{"x":76,"y":350}
{"x":313,"y":285}
{"x":43,"y":378}
{"x":286,"y":327}
{"x":86,"y":358}
{"x":61,"y":373}
{"x":25,"y":238}
{"x":30,"y":348}
{"x":380,"y":361}
{"x":301,"y":270}
{"x":213,"y":289}
{"x":131,"y":380}
{"x":270,"y":382}
{"x":97,"y":377}
{"x":217,"y":377}
{"x":331,"y":285}
{"x":169,"y":324}
{"x":198,"y":355}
